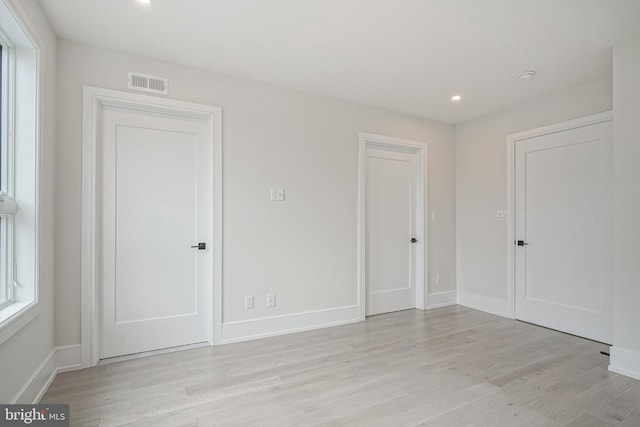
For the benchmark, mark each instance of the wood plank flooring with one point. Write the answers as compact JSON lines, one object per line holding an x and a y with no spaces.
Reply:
{"x":447,"y":367}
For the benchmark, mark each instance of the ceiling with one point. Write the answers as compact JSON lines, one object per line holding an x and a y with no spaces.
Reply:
{"x":404,"y":55}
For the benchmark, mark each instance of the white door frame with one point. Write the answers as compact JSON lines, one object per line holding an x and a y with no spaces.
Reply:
{"x":512,"y":140}
{"x":368,"y":140}
{"x":94,"y":100}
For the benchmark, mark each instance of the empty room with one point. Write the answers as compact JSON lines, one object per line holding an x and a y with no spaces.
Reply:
{"x":328,"y":212}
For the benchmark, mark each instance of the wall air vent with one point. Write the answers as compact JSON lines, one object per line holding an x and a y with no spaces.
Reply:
{"x":148,"y":83}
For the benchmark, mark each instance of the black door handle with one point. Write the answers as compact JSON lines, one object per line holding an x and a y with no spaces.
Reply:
{"x":414,"y":240}
{"x":200,"y":246}
{"x":521,"y":243}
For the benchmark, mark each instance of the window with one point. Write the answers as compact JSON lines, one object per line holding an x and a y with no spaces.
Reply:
{"x":7,"y":206}
{"x":19,"y":130}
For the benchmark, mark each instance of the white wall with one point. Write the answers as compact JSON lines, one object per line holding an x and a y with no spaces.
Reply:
{"x":481,"y":187}
{"x":625,"y":354}
{"x":22,"y":355}
{"x":304,"y":249}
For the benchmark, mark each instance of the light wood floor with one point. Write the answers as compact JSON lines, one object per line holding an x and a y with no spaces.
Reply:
{"x":447,"y":367}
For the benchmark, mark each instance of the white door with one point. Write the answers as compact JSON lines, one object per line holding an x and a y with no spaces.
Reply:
{"x":563,"y":227}
{"x":390,"y":194}
{"x":156,"y":190}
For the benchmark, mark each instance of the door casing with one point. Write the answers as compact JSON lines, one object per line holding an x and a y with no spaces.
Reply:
{"x":512,"y":140}
{"x":367,"y":140}
{"x":94,"y":100}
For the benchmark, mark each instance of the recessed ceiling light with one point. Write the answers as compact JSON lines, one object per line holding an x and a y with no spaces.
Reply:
{"x":456,"y":98}
{"x":526,"y":75}
{"x":144,"y":2}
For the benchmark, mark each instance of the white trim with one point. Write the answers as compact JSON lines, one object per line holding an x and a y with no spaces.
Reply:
{"x":422,"y":206}
{"x":68,"y":358}
{"x":511,"y":141}
{"x":19,"y":314}
{"x":7,"y":176}
{"x":61,"y":359}
{"x":94,"y":99}
{"x":484,"y":303}
{"x":39,"y":382}
{"x":625,"y":362}
{"x":245,"y":330}
{"x":16,"y":316}
{"x":441,"y":299}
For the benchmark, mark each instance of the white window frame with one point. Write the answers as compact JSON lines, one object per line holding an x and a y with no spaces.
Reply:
{"x":20,"y":174}
{"x":8,"y":208}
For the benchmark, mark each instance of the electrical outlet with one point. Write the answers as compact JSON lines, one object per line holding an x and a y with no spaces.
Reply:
{"x":271,"y":300}
{"x":439,"y":278}
{"x":248,"y":302}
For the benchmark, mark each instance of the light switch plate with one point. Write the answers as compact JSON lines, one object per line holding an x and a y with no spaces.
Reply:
{"x":277,"y":194}
{"x":501,"y":216}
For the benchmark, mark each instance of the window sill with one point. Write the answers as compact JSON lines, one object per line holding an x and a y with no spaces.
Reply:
{"x":15,"y":317}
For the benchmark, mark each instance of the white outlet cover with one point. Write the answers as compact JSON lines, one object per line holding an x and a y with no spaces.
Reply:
{"x":501,"y":216}
{"x":277,"y":194}
{"x":271,"y":300}
{"x":248,"y":302}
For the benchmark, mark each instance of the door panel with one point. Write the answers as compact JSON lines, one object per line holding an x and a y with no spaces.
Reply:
{"x":155,"y":205}
{"x":390,"y":225}
{"x":148,"y":235}
{"x":563,"y":212}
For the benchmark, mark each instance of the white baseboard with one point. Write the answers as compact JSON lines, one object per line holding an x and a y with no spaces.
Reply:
{"x":39,"y":382}
{"x":441,"y":299}
{"x":279,"y":325}
{"x":625,"y":362}
{"x":60,"y":359}
{"x":483,"y":303}
{"x":68,"y":358}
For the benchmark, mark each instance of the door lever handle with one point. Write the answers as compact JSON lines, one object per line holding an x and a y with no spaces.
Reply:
{"x":521,"y":243}
{"x":414,"y":240}
{"x":200,"y":246}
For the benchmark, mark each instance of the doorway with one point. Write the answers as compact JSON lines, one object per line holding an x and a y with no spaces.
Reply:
{"x":155,"y":214}
{"x":562,"y":227}
{"x":151,"y":224}
{"x":392,"y":244}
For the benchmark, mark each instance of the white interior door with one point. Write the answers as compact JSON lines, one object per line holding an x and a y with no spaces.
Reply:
{"x":390,"y":195}
{"x":563,"y":222}
{"x":156,"y":204}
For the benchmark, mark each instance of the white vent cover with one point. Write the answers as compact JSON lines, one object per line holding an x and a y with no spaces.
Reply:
{"x":148,"y":83}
